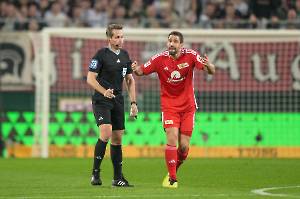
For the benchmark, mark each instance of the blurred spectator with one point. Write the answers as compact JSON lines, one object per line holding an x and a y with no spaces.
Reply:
{"x":98,"y":17}
{"x":297,"y":8}
{"x":169,"y":17}
{"x":208,"y":15}
{"x":64,"y":5}
{"x":231,"y":16}
{"x":241,"y":7}
{"x":136,"y":9}
{"x":55,"y":17}
{"x":271,"y":14}
{"x":3,"y":12}
{"x":189,"y":20}
{"x":33,"y":25}
{"x":12,"y":20}
{"x":119,"y":15}
{"x":273,"y":23}
{"x":292,"y":22}
{"x":76,"y":17}
{"x":112,"y":6}
{"x":262,"y":10}
{"x":151,"y":19}
{"x":181,"y":7}
{"x":34,"y":21}
{"x":44,"y":7}
{"x":86,"y":7}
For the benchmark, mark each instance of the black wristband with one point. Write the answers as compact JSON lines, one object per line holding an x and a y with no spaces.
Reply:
{"x":133,"y":102}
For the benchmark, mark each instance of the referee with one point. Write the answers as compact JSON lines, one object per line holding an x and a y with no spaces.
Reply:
{"x":107,"y":70}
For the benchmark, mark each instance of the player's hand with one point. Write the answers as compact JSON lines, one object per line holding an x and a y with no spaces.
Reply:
{"x":209,"y":67}
{"x":133,"y":110}
{"x":206,"y":61}
{"x":134,"y":66}
{"x":109,"y":93}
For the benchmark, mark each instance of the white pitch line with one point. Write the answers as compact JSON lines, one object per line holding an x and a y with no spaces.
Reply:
{"x":133,"y":196}
{"x":264,"y":191}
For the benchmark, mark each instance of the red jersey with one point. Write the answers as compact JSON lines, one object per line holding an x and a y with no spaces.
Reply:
{"x":176,"y":79}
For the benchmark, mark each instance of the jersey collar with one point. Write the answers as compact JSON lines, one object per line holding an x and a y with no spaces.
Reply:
{"x":117,"y":52}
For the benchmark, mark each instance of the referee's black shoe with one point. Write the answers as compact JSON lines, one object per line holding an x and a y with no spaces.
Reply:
{"x":121,"y":183}
{"x":96,"y":180}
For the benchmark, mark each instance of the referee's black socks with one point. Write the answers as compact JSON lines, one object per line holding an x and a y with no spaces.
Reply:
{"x":99,"y":154}
{"x":116,"y":158}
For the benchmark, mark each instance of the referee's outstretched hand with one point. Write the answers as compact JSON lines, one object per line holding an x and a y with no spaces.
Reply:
{"x":133,"y":110}
{"x":109,"y":93}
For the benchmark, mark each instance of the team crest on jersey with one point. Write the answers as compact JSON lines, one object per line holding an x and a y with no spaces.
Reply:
{"x":124,"y":72}
{"x":183,"y":65}
{"x":93,"y":64}
{"x":168,"y":121}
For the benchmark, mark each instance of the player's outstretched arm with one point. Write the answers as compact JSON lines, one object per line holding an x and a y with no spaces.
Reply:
{"x":130,"y":84}
{"x":137,"y":69}
{"x":208,"y":66}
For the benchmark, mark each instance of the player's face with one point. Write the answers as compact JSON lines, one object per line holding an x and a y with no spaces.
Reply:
{"x":173,"y":45}
{"x":116,"y":41}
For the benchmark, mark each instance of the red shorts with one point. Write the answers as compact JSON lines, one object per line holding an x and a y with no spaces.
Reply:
{"x":184,"y":121}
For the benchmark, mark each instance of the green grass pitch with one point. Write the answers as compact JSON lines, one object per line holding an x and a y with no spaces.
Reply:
{"x":67,"y":178}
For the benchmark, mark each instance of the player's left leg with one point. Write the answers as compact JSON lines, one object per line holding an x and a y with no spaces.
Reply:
{"x":186,"y":129}
{"x":183,"y":149}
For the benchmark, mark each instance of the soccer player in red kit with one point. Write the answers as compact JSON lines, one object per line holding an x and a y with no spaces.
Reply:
{"x":175,"y":69}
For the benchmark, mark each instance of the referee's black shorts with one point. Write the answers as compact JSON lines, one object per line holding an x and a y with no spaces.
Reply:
{"x":110,"y":111}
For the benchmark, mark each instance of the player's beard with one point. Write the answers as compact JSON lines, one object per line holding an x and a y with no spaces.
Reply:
{"x":172,"y":51}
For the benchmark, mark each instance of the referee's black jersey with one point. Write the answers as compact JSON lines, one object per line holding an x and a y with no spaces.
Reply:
{"x":111,"y":69}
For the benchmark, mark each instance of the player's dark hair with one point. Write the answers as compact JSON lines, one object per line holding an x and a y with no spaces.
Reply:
{"x":111,"y":27}
{"x":178,"y":34}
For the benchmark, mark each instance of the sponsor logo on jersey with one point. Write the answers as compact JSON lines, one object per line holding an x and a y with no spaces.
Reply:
{"x":168,"y":121}
{"x":175,"y":77}
{"x":93,"y":64}
{"x":118,"y":61}
{"x":166,"y":68}
{"x":183,"y":65}
{"x":100,"y":118}
{"x":124,"y":72}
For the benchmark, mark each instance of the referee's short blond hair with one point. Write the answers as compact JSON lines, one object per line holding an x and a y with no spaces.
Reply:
{"x":111,"y":27}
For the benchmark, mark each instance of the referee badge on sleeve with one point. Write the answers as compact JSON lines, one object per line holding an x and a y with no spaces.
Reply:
{"x":93,"y":64}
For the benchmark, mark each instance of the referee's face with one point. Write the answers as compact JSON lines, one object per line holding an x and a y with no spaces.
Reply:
{"x":116,"y":41}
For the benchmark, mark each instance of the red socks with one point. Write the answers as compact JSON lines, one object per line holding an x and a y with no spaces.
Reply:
{"x":181,"y":156}
{"x":171,"y":160}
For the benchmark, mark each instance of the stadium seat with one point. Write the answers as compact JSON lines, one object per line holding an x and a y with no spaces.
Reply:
{"x":90,"y":140}
{"x":90,"y":117}
{"x":53,"y":129}
{"x":60,"y":140}
{"x":21,"y":128}
{"x":76,"y":140}
{"x":76,"y":116}
{"x":68,"y":128}
{"x":6,"y":129}
{"x":13,"y":116}
{"x":83,"y":128}
{"x":28,"y":140}
{"x":29,"y":117}
{"x":60,"y":116}
{"x":154,"y":116}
